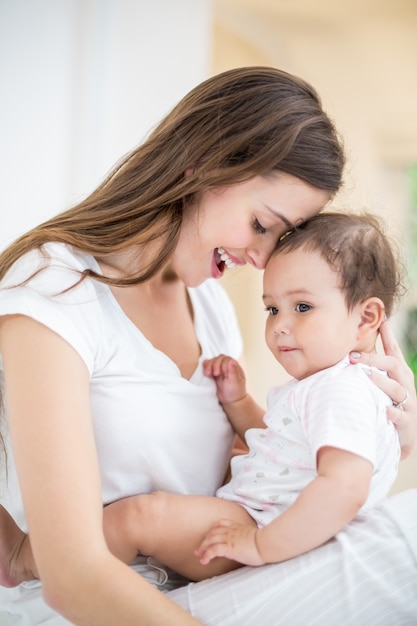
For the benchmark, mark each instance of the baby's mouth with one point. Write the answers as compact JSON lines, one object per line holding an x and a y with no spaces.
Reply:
{"x":223,"y":259}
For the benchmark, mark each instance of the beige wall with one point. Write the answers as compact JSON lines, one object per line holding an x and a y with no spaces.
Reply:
{"x":361,"y":56}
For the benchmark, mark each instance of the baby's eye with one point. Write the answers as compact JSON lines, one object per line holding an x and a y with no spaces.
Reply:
{"x":256,"y":225}
{"x":302,"y":307}
{"x":272,"y":310}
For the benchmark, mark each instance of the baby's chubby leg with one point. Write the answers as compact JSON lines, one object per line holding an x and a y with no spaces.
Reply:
{"x":170,"y":527}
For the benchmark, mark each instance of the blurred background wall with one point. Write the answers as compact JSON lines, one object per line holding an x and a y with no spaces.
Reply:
{"x":83,"y":81}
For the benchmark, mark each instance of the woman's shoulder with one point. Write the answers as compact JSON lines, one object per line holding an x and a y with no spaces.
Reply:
{"x":51,"y":264}
{"x":47,"y":285}
{"x":63,"y":255}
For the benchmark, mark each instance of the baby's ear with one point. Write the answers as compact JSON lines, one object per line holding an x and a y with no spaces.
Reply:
{"x":372,"y":315}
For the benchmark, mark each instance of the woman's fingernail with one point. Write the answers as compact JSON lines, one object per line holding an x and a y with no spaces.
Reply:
{"x":355,"y":355}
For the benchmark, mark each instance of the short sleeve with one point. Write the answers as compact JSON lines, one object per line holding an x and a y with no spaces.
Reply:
{"x":44,"y":290}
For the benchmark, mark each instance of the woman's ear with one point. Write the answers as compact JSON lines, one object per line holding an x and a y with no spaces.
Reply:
{"x":372,"y":315}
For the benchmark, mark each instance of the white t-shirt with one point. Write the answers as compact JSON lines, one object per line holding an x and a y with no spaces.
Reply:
{"x":338,"y":407}
{"x":153,"y":428}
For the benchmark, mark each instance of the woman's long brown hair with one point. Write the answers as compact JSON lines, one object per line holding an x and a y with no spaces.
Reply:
{"x":236,"y":125}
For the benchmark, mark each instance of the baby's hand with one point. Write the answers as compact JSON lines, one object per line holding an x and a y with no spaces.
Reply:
{"x":231,"y":540}
{"x":228,"y":376}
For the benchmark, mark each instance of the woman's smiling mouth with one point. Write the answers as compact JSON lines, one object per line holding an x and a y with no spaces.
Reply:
{"x":224,"y":259}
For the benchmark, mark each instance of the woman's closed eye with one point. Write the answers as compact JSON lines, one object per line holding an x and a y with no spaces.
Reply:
{"x":257,"y":226}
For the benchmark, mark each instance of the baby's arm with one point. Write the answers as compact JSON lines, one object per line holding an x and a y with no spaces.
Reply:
{"x":323,"y":508}
{"x":241,"y":409}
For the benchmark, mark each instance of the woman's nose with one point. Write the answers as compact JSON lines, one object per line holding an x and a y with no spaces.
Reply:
{"x":259,"y":255}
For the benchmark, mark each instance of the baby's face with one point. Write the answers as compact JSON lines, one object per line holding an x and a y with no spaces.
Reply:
{"x":308,"y":327}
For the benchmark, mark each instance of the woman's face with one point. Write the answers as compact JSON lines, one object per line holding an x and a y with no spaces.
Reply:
{"x":239,"y":224}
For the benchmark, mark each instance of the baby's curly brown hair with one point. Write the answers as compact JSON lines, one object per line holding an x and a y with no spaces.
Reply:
{"x":358,"y":249}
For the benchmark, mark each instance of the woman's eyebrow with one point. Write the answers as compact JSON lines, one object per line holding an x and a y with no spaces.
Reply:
{"x":283,"y":219}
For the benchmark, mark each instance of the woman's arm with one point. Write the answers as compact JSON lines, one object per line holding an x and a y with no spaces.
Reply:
{"x":48,"y":400}
{"x":399,"y":382}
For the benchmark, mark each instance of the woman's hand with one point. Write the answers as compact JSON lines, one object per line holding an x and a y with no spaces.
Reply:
{"x":398,"y":385}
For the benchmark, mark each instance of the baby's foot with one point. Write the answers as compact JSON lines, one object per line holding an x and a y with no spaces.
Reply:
{"x":16,"y":561}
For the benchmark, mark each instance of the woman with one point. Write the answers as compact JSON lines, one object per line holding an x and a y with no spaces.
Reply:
{"x":107,"y":314}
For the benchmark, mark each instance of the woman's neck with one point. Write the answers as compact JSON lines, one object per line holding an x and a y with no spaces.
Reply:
{"x":130,"y":263}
